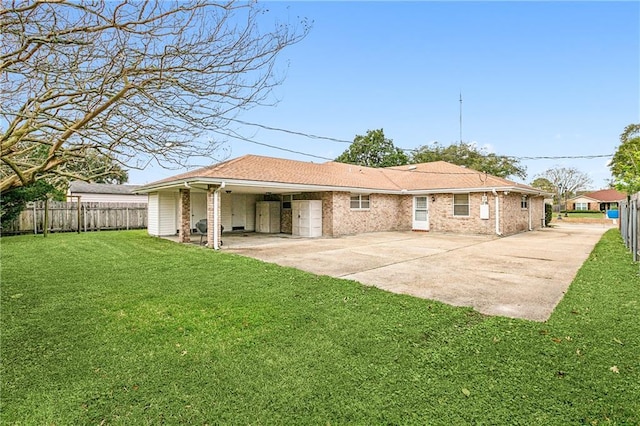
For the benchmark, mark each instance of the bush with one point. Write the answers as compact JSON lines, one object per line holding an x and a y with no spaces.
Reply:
{"x":548,"y":214}
{"x":15,"y":200}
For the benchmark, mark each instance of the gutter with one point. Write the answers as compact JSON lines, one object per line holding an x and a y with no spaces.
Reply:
{"x":497,"y":207}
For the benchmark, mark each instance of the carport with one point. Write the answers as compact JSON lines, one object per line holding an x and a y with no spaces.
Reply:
{"x":520,"y":276}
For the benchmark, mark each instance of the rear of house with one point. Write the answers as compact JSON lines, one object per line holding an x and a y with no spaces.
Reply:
{"x":264,"y":194}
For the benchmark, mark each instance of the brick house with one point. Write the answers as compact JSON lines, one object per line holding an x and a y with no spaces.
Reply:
{"x":603,"y":200}
{"x":265,"y":194}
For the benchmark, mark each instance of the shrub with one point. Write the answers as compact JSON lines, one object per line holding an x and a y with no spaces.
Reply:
{"x":548,"y":214}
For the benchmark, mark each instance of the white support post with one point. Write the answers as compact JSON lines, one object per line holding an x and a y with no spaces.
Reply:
{"x":216,"y":219}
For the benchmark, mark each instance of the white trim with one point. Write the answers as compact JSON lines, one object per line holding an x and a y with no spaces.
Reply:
{"x":279,"y":187}
{"x":360,"y":202}
{"x":420,"y":225}
{"x":453,"y":205}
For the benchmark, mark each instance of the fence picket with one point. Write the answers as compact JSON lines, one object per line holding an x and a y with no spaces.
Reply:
{"x":63,"y":217}
{"x":630,"y":224}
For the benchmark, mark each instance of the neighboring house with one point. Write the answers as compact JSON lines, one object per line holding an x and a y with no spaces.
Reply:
{"x":603,"y":200}
{"x":334,"y":199}
{"x":104,"y":193}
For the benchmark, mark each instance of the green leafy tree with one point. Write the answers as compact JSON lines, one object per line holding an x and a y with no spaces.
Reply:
{"x":625,"y":165}
{"x":14,"y":201}
{"x":469,"y":155}
{"x":373,"y":150}
{"x":546,"y":185}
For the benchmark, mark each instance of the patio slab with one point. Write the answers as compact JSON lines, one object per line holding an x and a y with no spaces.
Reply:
{"x":520,"y":276}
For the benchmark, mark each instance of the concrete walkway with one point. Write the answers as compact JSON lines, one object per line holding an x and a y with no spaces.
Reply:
{"x":520,"y":276}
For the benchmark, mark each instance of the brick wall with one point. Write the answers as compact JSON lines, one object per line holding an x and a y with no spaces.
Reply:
{"x":513,"y":218}
{"x":395,"y":213}
{"x":385,"y":213}
{"x":441,"y":218}
{"x":184,"y":216}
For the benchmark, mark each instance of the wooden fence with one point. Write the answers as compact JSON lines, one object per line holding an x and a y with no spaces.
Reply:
{"x":630,"y":224}
{"x":65,"y":216}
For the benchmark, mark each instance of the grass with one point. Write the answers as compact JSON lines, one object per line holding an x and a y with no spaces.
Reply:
{"x":590,"y":215}
{"x":120,"y":328}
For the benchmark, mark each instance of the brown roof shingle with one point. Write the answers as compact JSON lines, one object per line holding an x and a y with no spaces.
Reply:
{"x":425,"y":176}
{"x":606,"y":195}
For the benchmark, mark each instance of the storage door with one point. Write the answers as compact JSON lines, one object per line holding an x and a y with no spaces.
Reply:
{"x":295,"y":217}
{"x":238,"y":212}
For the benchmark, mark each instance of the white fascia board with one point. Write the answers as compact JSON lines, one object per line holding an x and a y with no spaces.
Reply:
{"x":296,"y":187}
{"x":276,"y":186}
{"x":514,"y":189}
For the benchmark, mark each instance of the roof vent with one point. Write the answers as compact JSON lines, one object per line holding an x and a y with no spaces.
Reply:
{"x":412,"y":167}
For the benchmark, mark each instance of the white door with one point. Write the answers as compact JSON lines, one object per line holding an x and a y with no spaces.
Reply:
{"x":306,"y":218}
{"x":295,"y":217}
{"x":198,"y":207}
{"x":421,"y":213}
{"x":262,"y":217}
{"x":238,"y":212}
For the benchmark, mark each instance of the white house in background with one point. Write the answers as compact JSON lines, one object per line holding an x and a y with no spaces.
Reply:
{"x":104,"y":193}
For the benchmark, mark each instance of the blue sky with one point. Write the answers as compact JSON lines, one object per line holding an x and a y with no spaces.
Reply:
{"x":537,"y":79}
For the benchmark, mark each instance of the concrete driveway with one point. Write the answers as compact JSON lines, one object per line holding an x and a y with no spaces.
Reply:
{"x":520,"y":276}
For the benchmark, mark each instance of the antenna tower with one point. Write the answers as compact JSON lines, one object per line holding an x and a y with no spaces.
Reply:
{"x":460,"y":117}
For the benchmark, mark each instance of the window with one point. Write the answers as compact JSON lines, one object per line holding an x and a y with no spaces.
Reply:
{"x":461,"y":204}
{"x":359,"y":202}
{"x":288,"y":198}
{"x":582,"y":206}
{"x":524,"y":202}
{"x":286,"y":201}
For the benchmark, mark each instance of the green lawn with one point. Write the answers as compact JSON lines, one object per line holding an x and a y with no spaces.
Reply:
{"x":121,"y":328}
{"x":593,"y":215}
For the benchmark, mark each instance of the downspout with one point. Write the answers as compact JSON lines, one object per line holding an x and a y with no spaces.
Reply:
{"x":495,"y":194}
{"x":529,"y":208}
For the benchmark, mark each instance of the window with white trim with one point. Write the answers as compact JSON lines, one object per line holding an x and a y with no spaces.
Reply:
{"x":359,"y":202}
{"x":524,"y":202}
{"x":582,"y":206}
{"x":461,"y":204}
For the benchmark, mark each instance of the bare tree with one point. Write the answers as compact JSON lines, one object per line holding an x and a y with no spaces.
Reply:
{"x":566,"y":181}
{"x":131,"y":82}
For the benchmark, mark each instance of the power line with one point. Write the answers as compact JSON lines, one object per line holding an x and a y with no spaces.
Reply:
{"x":292,"y":132}
{"x":410,"y":150}
{"x":562,"y":157}
{"x":278,"y":147}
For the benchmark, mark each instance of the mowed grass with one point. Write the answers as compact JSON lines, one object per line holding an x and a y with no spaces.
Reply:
{"x":121,"y":328}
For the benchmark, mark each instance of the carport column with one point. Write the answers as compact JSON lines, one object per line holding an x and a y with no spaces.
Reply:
{"x":213,"y":217}
{"x":184,"y":213}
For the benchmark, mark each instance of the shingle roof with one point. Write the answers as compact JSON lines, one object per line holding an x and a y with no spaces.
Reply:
{"x":425,"y":176}
{"x":77,"y":186}
{"x":606,"y":195}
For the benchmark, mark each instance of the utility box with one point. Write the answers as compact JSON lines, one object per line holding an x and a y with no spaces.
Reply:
{"x":306,"y":218}
{"x":484,"y":211}
{"x":268,"y":217}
